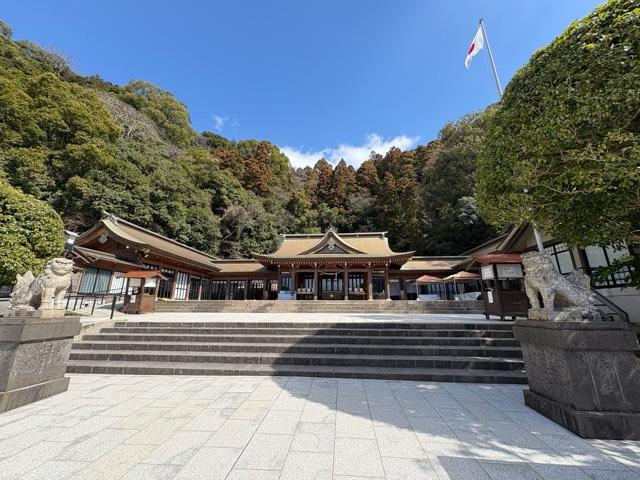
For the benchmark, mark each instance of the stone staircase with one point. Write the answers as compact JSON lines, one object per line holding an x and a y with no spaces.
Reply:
{"x":319,"y":306}
{"x":451,"y":352}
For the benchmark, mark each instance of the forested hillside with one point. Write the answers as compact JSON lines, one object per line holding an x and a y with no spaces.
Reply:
{"x":84,"y":145}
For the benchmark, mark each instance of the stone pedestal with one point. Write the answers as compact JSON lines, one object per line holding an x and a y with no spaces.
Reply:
{"x":34,"y":349}
{"x":584,"y":376}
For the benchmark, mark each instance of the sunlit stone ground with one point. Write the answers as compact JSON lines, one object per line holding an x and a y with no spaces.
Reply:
{"x":161,"y":427}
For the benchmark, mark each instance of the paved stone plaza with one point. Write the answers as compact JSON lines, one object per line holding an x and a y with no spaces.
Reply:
{"x":240,"y":428}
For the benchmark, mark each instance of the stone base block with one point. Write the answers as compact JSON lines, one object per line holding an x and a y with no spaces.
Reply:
{"x":23,"y":396}
{"x":34,"y":350}
{"x":601,"y":425}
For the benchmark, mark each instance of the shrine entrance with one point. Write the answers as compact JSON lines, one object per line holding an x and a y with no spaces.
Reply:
{"x":331,"y":286}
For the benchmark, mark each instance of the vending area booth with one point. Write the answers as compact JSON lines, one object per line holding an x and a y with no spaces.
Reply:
{"x":503,"y":290}
{"x":141,"y":287}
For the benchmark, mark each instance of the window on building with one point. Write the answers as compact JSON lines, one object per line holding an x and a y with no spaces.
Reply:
{"x":117,"y":284}
{"x":182,"y":283}
{"x":237,"y":289}
{"x":256,"y":288}
{"x":96,"y":281}
{"x":218,"y":289}
{"x":194,"y":287}
{"x":605,"y":257}
{"x":378,"y":287}
{"x":562,"y":257}
{"x":306,"y":282}
{"x":165,"y":289}
{"x":356,"y":283}
{"x":432,"y":289}
{"x":332,"y":282}
{"x":213,"y":289}
{"x":285,"y":278}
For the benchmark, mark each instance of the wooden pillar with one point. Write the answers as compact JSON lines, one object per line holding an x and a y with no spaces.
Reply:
{"x":403,"y":288}
{"x":346,"y":282}
{"x":315,"y":281}
{"x":200,"y":288}
{"x":279,"y":282}
{"x":186,"y":295}
{"x":294,"y":284}
{"x":265,"y":289}
{"x":246,"y":288}
{"x":369,"y":284}
{"x":227,"y":290}
{"x":387,"y":290}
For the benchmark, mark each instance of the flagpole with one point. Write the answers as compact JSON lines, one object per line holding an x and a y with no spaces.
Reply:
{"x":536,"y":233}
{"x":493,"y":64}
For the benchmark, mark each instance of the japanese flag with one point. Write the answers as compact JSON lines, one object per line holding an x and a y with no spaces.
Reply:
{"x":476,"y":46}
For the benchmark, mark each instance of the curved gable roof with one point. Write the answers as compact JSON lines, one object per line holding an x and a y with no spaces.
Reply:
{"x":366,"y":243}
{"x":132,"y":234}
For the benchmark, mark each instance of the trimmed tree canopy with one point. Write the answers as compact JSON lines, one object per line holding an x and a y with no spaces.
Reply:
{"x":31,"y":233}
{"x":563,"y":149}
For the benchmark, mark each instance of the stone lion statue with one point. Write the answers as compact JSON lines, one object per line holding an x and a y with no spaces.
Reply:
{"x":49,"y":287}
{"x":563,"y":297}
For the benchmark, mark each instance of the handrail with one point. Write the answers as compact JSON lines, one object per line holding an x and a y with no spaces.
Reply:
{"x":95,"y":296}
{"x":616,"y":311}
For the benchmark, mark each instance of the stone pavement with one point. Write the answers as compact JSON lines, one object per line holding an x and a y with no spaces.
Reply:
{"x":263,"y":428}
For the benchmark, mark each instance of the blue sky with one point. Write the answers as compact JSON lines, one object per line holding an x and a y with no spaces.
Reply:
{"x":333,"y":78}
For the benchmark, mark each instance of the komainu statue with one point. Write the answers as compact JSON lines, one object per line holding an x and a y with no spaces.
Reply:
{"x":563,"y":297}
{"x":49,"y":287}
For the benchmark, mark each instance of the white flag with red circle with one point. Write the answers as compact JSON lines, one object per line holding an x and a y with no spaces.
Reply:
{"x":476,"y":46}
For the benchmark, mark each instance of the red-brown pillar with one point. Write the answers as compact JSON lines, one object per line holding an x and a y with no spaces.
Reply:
{"x":294,"y":283}
{"x":387,"y":290}
{"x":346,"y":282}
{"x":315,"y":281}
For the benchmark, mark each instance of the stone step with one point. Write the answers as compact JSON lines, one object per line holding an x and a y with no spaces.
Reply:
{"x":320,"y":306}
{"x":447,"y":311}
{"x":395,"y":361}
{"x":451,"y":332}
{"x":347,"y":325}
{"x":311,"y":348}
{"x":415,"y":374}
{"x":301,"y":339}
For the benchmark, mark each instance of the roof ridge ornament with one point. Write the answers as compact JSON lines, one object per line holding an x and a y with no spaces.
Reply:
{"x":110,"y":216}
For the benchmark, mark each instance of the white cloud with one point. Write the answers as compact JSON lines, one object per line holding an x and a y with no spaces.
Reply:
{"x":218,"y":122}
{"x":352,"y":154}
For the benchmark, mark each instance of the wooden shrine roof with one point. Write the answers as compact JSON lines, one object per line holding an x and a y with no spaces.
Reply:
{"x":240,"y":265}
{"x":131,"y":234}
{"x":333,"y":246}
{"x":433,"y":263}
{"x":89,"y":255}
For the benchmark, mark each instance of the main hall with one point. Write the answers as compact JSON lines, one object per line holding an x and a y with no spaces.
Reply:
{"x":315,"y":266}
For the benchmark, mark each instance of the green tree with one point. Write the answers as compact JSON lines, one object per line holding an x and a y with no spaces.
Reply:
{"x":171,"y":115}
{"x":563,"y":149}
{"x":451,"y":223}
{"x":5,"y":30}
{"x":31,"y":233}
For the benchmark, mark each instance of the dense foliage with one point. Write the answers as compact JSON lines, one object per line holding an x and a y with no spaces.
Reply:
{"x":563,"y":148}
{"x":31,"y":232}
{"x":85,"y":146}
